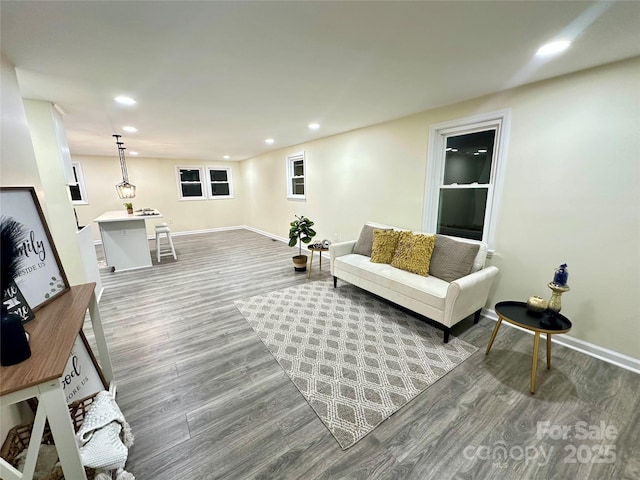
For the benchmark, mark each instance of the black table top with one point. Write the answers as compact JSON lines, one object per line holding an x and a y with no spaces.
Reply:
{"x":519,"y":314}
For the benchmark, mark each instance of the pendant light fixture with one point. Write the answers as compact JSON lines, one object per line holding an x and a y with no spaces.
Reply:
{"x":124,"y":189}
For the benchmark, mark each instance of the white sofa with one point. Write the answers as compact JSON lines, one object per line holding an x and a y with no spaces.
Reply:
{"x":447,"y":303}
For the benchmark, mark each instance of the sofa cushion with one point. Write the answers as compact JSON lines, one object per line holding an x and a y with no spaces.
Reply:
{"x":413,"y":253}
{"x":428,"y":290}
{"x":364,"y":244}
{"x":384,"y":245}
{"x":451,"y":259}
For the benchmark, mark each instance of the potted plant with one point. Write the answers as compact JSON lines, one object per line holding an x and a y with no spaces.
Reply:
{"x":300,"y":232}
{"x":129,"y":207}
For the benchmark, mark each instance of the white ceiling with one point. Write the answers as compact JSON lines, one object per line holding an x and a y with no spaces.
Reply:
{"x":217,"y":78}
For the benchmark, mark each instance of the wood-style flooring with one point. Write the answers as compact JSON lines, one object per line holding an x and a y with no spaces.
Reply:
{"x":206,"y":400}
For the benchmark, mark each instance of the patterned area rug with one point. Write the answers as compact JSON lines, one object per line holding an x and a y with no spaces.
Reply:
{"x":355,"y":359}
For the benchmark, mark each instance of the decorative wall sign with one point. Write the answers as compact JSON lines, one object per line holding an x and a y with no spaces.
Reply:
{"x":41,"y":277}
{"x":82,"y":375}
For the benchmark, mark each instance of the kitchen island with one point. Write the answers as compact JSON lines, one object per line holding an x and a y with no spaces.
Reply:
{"x":124,"y":238}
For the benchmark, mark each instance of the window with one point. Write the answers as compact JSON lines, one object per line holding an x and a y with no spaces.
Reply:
{"x":194,"y":185}
{"x":219,"y":182}
{"x":464,"y":176}
{"x":76,"y":188}
{"x":296,"y":176}
{"x":190,"y":183}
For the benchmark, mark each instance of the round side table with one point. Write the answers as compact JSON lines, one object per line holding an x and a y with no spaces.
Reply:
{"x":312,"y":250}
{"x":518,"y":314}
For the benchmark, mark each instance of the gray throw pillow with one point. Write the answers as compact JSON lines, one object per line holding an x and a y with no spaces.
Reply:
{"x":364,"y":244}
{"x":451,"y":259}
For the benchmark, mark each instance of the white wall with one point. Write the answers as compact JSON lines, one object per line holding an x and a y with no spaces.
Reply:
{"x":155,"y":181}
{"x":18,"y":168}
{"x":53,"y":179}
{"x":17,"y":162}
{"x":571,"y":192}
{"x":365,"y":174}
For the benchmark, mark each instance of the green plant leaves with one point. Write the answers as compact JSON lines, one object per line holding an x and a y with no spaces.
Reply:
{"x":301,"y":229}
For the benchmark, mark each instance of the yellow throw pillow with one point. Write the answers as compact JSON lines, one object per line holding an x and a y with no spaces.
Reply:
{"x":413,"y":253}
{"x":384,"y":245}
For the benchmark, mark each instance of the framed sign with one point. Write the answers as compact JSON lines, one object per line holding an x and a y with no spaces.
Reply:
{"x":41,"y":277}
{"x":82,"y":375}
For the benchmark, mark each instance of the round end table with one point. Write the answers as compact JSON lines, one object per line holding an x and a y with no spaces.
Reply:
{"x":546,"y":322}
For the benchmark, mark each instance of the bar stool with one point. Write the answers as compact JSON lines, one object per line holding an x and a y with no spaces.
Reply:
{"x":160,"y":229}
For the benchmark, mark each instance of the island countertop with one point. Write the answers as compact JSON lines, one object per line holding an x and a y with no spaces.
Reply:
{"x":124,"y":238}
{"x":122,"y":215}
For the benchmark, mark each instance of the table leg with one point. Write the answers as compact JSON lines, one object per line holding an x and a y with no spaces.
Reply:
{"x":548,"y":351}
{"x":534,"y":362}
{"x":53,"y":400}
{"x":310,"y":265}
{"x":101,"y":342}
{"x":493,"y":335}
{"x":320,"y":254}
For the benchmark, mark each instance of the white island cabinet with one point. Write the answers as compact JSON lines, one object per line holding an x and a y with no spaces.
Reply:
{"x":124,"y":238}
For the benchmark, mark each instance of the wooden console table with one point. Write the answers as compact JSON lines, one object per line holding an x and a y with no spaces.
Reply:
{"x":53,"y":333}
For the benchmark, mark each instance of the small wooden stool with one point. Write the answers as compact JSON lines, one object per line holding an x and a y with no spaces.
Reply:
{"x":160,"y":229}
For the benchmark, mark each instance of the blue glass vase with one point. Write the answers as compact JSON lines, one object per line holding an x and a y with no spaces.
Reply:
{"x":561,"y":275}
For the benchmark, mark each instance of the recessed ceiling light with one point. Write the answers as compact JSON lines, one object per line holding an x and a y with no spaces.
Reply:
{"x":482,"y":150}
{"x":476,"y":153}
{"x":314,"y":126}
{"x":133,"y":153}
{"x":269,"y":141}
{"x":226,"y":157}
{"x":125,"y":100}
{"x":130,"y":129}
{"x":454,"y":149}
{"x":552,"y":48}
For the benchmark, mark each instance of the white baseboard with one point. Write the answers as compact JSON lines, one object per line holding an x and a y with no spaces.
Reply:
{"x":190,"y":232}
{"x":596,"y":351}
{"x":206,"y":230}
{"x":281,"y":239}
{"x":266,"y":234}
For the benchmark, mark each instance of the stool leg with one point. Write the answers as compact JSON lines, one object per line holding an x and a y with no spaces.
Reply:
{"x":158,"y":246}
{"x":173,"y":250}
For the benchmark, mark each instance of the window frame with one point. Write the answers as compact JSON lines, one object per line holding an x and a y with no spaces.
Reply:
{"x":229,"y":181}
{"x":179,"y":182}
{"x":291,"y":159}
{"x":500,"y":121}
{"x":76,"y":169}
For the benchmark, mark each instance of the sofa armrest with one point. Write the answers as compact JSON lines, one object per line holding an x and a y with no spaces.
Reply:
{"x":339,"y":249}
{"x":468,"y":294}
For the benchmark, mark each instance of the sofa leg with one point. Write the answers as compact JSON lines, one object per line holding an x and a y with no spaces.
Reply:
{"x":447,"y":331}
{"x":335,"y":281}
{"x":476,"y":316}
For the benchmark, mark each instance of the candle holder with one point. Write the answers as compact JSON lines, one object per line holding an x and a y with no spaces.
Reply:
{"x":554,"y":305}
{"x":555,"y":302}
